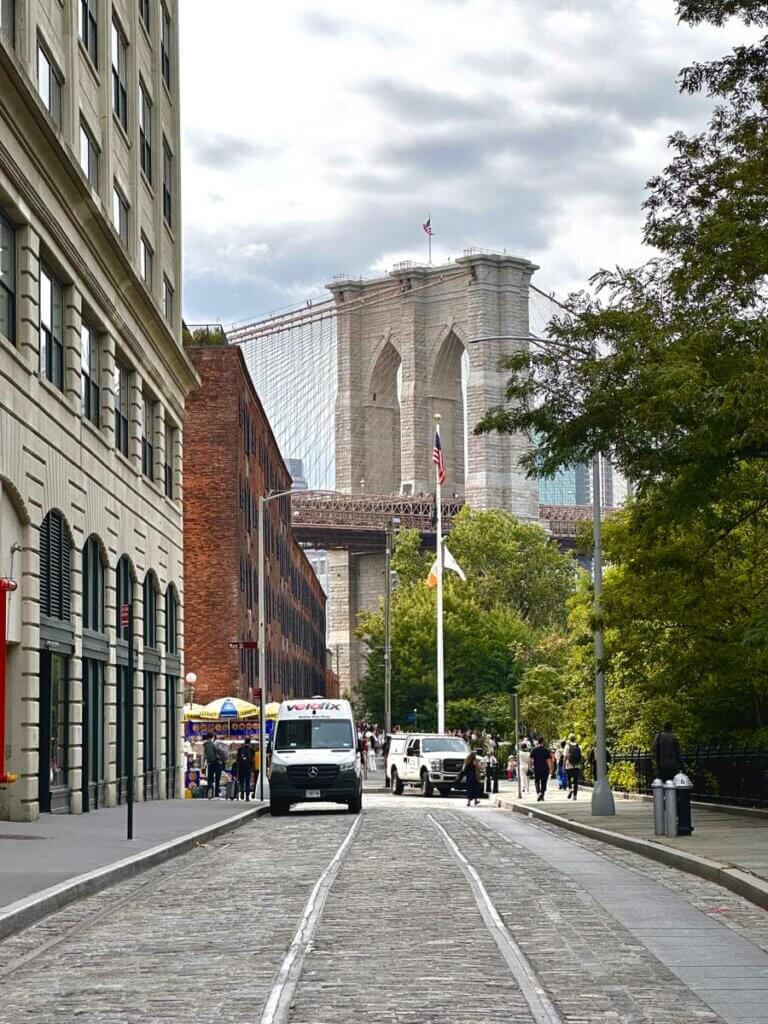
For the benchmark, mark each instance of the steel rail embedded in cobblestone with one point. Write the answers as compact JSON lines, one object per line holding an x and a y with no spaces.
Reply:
{"x":541,"y":1005}
{"x":278,"y":1004}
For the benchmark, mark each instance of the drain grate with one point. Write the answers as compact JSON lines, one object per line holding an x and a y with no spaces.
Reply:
{"x":29,"y":838}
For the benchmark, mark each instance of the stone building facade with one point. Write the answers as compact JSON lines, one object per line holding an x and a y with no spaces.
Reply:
{"x":231,"y":457}
{"x":93,"y":381}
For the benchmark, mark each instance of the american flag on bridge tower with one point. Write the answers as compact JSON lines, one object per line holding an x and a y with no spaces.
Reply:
{"x":437,"y":458}
{"x":427,"y":225}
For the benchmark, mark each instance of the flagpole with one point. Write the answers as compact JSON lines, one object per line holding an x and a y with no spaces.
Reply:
{"x":429,"y":243}
{"x":440,"y":664}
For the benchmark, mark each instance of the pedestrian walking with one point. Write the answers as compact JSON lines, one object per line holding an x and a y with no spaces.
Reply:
{"x":492,"y":774}
{"x":525,"y":765}
{"x":666,"y":753}
{"x":562,"y":777}
{"x":572,"y":758}
{"x":214,"y":765}
{"x":471,"y":772}
{"x":541,"y":760}
{"x":245,"y":769}
{"x":371,"y":754}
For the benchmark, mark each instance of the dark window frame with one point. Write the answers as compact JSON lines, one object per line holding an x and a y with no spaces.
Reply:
{"x":119,"y":73}
{"x":8,"y":20}
{"x":53,"y":100}
{"x":147,"y":435}
{"x":146,"y":261}
{"x":93,"y":586}
{"x":149,"y":596}
{"x":167,"y":183}
{"x":90,"y":150}
{"x":120,"y":205}
{"x":8,"y":294}
{"x":170,"y":440}
{"x":168,"y":299}
{"x":145,"y":15}
{"x":88,"y":29}
{"x":171,"y":622}
{"x":90,"y":370}
{"x":145,"y":132}
{"x":52,"y":347}
{"x":122,"y":406}
{"x":165,"y":45}
{"x":55,"y":568}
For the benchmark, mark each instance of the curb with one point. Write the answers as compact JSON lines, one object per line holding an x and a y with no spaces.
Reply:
{"x":730,"y":877}
{"x":21,"y":914}
{"x":699,"y":805}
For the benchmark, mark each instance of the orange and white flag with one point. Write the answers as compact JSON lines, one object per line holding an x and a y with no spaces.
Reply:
{"x":449,"y":562}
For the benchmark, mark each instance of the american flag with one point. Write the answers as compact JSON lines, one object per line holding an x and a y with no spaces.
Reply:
{"x":437,"y":458}
{"x":427,"y":225}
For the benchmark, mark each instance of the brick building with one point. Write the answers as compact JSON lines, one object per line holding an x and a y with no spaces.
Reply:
{"x":230,"y":458}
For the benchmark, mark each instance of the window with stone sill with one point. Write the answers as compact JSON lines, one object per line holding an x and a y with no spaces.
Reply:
{"x":51,"y":328}
{"x":165,"y":44}
{"x":145,"y":133}
{"x":89,"y":157}
{"x":8,"y":20}
{"x":121,"y":407}
{"x":147,"y":446}
{"x":7,"y":279}
{"x":170,"y":438}
{"x":146,"y":260}
{"x":120,"y":214}
{"x":49,"y":85}
{"x":144,"y":13}
{"x":88,"y":28}
{"x":89,"y":371}
{"x":119,"y":75}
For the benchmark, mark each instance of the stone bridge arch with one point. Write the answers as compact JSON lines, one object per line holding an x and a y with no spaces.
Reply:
{"x":431,"y":317}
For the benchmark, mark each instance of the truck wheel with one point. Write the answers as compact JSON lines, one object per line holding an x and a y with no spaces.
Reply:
{"x":356,"y":804}
{"x":397,"y":783}
{"x":426,"y":786}
{"x":278,"y":807}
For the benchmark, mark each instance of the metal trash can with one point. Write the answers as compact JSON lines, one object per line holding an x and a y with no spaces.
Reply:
{"x":683,"y":787}
{"x":657,"y":788}
{"x":670,"y":809}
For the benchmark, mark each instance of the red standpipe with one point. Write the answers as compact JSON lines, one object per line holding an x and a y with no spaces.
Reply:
{"x":6,"y":587}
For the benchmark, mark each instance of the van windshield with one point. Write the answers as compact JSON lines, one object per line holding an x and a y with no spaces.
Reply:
{"x":451,"y":743}
{"x":314,"y":734}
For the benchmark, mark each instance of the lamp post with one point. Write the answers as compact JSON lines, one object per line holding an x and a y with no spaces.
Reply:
{"x":391,"y":530}
{"x":264,"y":500}
{"x":190,"y":679}
{"x":602,"y":796}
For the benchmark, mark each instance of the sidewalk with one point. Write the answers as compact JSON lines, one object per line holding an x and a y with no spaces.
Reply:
{"x":727,"y":848}
{"x":35,"y":856}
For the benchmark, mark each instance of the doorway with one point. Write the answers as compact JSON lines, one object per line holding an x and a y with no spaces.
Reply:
{"x":53,"y":792}
{"x":93,"y":734}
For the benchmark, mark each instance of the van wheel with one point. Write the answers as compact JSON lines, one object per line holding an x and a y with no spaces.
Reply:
{"x":356,"y":804}
{"x":397,"y":783}
{"x":426,"y":786}
{"x":278,"y":807}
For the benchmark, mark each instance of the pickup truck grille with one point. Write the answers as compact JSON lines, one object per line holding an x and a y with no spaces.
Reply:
{"x":300,"y":777}
{"x":453,"y":764}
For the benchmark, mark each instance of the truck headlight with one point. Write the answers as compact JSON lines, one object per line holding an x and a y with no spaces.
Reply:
{"x":435,"y":764}
{"x":277,"y":768}
{"x":348,"y":766}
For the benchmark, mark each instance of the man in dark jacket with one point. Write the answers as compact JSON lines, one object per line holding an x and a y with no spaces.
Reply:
{"x":666,"y":753}
{"x":214,"y":765}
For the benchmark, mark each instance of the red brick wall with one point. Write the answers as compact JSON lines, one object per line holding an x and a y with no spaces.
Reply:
{"x":231,"y":457}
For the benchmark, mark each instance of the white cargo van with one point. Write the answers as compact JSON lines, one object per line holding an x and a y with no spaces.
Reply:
{"x":315,"y":756}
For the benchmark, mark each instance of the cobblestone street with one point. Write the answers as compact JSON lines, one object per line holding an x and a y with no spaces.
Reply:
{"x":514,"y":923}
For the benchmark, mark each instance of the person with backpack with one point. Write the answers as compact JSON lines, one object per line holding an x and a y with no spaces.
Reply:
{"x":572,"y":757}
{"x":245,"y":758}
{"x":214,"y":765}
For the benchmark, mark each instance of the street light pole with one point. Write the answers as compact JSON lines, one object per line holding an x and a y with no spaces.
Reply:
{"x":388,"y":634}
{"x":516,"y":699}
{"x":602,"y":797}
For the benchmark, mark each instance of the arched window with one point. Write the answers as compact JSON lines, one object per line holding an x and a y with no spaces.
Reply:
{"x":124,"y":594}
{"x":150,"y":610}
{"x":171,"y":622}
{"x":55,"y":568}
{"x":93,"y":586}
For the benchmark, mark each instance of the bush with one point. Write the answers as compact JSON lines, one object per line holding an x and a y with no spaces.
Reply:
{"x":623,"y":776}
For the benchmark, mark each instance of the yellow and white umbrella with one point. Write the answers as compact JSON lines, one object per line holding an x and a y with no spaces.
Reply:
{"x":192,"y":711}
{"x":228,"y":708}
{"x":272,"y":710}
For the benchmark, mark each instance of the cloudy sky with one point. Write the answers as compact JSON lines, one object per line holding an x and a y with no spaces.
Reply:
{"x":318,"y":136}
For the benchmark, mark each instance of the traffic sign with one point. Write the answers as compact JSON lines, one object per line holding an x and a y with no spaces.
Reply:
{"x":246,"y":645}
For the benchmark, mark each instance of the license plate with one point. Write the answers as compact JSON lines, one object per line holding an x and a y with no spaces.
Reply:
{"x":313,"y":794}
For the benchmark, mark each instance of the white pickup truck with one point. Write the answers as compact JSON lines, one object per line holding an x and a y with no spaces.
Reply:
{"x":426,"y":760}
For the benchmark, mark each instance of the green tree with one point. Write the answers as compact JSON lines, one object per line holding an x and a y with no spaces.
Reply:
{"x":497,"y":624}
{"x":666,"y":366}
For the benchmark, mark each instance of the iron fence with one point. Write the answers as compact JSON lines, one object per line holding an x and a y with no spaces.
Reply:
{"x":720,"y":775}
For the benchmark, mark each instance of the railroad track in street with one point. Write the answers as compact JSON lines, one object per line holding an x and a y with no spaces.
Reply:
{"x":414,"y":911}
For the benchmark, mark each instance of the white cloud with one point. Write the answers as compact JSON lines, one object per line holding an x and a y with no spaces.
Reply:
{"x":316,"y":141}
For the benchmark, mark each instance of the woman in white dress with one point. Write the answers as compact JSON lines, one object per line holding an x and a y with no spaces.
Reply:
{"x":525,"y":761}
{"x":371,"y":753}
